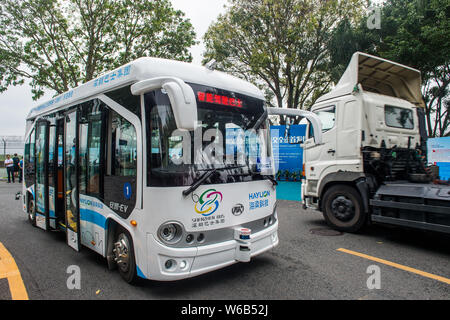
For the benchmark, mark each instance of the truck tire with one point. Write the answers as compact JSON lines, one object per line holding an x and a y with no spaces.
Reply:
{"x":343,"y":209}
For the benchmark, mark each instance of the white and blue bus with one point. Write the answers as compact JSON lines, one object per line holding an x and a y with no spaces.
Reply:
{"x":162,"y":167}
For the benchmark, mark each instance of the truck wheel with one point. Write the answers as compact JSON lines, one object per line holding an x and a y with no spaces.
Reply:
{"x":124,"y":255}
{"x":343,"y":208}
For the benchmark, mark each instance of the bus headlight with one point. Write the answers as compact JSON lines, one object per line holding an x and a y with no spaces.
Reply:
{"x":170,"y":233}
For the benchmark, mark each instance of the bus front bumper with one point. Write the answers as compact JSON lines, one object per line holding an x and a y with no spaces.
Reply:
{"x":194,"y":261}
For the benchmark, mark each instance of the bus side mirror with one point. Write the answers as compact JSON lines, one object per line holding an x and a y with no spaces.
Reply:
{"x":185,"y":112}
{"x":181,"y":95}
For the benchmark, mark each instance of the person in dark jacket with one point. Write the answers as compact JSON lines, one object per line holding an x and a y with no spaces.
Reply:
{"x":16,"y":161}
{"x":20,"y":169}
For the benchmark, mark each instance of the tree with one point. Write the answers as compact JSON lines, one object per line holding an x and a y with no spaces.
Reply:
{"x":415,"y":33}
{"x":279,"y":45}
{"x":60,"y":44}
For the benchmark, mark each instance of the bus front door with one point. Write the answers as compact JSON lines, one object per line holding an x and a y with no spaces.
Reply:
{"x":59,"y":174}
{"x":41,"y":192}
{"x":72,"y":213}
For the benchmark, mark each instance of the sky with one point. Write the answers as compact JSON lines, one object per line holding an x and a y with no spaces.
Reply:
{"x":16,"y":102}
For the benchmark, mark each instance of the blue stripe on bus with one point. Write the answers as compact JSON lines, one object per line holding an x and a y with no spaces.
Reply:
{"x":93,"y":217}
{"x":140,"y":273}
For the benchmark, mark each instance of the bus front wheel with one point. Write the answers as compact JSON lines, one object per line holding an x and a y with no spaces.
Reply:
{"x":124,"y":255}
{"x":343,"y":208}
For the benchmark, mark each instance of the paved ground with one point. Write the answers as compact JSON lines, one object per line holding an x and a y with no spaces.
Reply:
{"x":304,"y":265}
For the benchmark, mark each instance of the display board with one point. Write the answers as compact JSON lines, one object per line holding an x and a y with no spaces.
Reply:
{"x":287,"y":151}
{"x":439,"y":154}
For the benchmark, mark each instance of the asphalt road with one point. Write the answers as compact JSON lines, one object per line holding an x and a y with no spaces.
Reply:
{"x":305,"y":265}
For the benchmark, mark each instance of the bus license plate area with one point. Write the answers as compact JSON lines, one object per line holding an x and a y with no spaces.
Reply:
{"x":243,"y":247}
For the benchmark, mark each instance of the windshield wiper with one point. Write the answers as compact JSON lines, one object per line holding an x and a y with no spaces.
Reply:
{"x":261,"y":120}
{"x":205,"y":176}
{"x":210,"y":172}
{"x":274,"y":181}
{"x":270,"y":177}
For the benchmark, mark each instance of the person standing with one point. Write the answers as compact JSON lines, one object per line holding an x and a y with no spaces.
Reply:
{"x":16,"y":161}
{"x":9,"y":164}
{"x":21,"y":170}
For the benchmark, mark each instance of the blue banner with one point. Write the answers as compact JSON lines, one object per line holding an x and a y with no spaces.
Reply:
{"x":288,"y":154}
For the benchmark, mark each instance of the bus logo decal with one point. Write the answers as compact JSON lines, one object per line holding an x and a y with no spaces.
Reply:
{"x":208,"y":202}
{"x":238,"y":209}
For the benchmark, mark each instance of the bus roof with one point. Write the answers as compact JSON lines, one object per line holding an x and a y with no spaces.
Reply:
{"x":146,"y":68}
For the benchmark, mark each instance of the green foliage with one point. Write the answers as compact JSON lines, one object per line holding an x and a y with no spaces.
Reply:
{"x":60,"y":44}
{"x":279,"y":45}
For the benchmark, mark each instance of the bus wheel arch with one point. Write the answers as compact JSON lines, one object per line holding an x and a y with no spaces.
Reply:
{"x":124,"y":255}
{"x":121,"y":251}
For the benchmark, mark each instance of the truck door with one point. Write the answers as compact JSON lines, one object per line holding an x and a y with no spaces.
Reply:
{"x":42,"y":202}
{"x":319,"y":157}
{"x":349,"y":133}
{"x":72,"y":213}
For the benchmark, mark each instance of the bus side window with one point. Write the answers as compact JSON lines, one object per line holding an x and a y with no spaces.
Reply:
{"x":90,"y":148}
{"x":26,"y":156}
{"x":29,"y":160}
{"x":120,"y":178}
{"x":124,"y":147}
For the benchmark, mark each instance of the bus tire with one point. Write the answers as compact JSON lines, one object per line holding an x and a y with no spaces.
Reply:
{"x":124,"y":255}
{"x":31,"y":212}
{"x":343,"y":208}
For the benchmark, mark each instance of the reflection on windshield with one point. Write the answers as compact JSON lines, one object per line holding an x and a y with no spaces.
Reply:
{"x":222,"y":139}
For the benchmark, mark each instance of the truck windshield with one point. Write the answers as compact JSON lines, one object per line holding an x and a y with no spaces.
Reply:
{"x":224,"y":139}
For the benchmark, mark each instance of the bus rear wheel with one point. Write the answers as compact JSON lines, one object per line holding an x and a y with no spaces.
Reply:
{"x":124,"y":256}
{"x":343,"y":208}
{"x":31,"y":213}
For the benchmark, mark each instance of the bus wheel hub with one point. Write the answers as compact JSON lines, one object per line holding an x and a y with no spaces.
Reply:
{"x":121,"y":256}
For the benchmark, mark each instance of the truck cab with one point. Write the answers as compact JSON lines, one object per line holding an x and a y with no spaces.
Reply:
{"x":373,"y":146}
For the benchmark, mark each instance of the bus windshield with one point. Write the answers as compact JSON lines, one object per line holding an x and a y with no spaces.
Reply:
{"x":229,"y":136}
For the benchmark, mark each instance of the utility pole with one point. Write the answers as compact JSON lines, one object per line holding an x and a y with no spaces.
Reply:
{"x":4,"y":147}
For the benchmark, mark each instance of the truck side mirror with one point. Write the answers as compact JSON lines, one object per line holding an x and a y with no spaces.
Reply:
{"x":308,"y":142}
{"x":181,"y":95}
